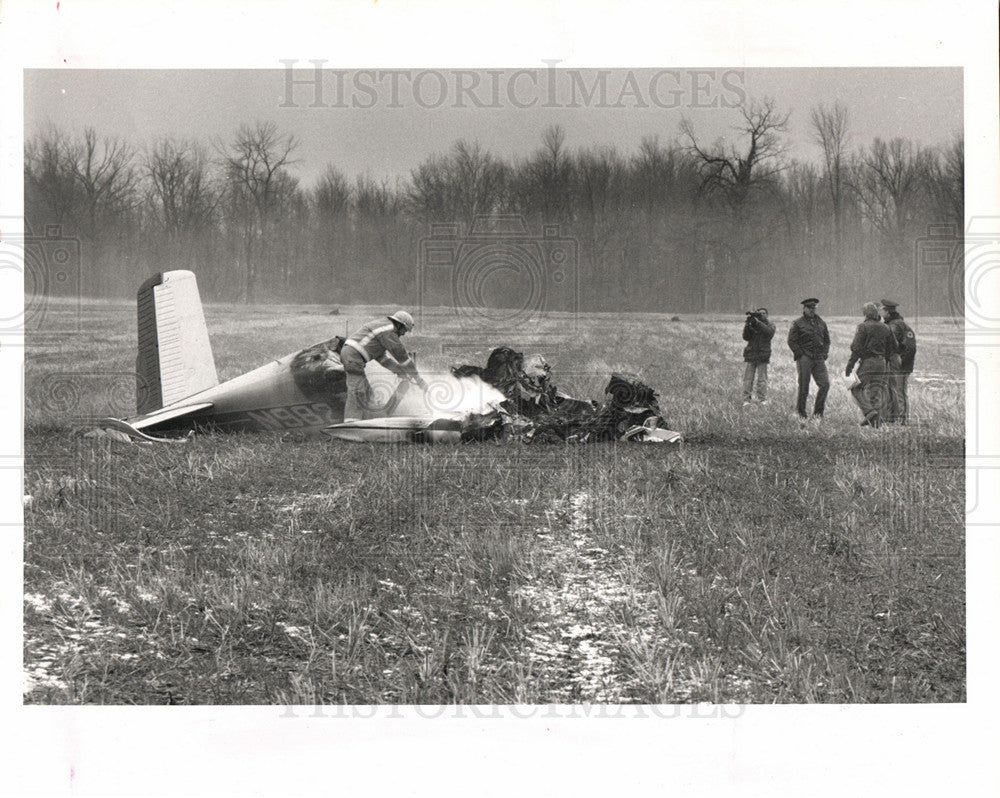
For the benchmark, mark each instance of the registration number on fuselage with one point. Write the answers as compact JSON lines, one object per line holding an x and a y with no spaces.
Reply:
{"x":316,"y":414}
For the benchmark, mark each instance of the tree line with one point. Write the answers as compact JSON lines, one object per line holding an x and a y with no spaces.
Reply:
{"x":684,"y":226}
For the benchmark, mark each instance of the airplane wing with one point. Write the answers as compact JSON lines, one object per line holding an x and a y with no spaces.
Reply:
{"x":398,"y":429}
{"x":133,"y":427}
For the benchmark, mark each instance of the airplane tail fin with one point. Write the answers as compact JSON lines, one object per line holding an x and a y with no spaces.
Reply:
{"x":175,"y":356}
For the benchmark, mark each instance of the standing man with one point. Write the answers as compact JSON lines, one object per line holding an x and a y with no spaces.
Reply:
{"x":872,"y":347}
{"x":809,"y":341}
{"x":901,"y":363}
{"x":377,"y":340}
{"x":757,"y":332}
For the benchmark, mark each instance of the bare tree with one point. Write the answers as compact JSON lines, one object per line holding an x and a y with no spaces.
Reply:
{"x":377,"y":233}
{"x":598,"y":196}
{"x":106,"y":174}
{"x":106,"y":182}
{"x":332,"y":194}
{"x":801,"y":201}
{"x":254,"y":162}
{"x":681,"y":223}
{"x":478,"y":181}
{"x":181,"y":210}
{"x":374,"y":199}
{"x":736,"y":175}
{"x":599,"y":177}
{"x":460,"y":186}
{"x":886,"y":179}
{"x":654,"y":171}
{"x":51,"y":191}
{"x":332,"y":237}
{"x":180,"y":190}
{"x":548,"y":175}
{"x":427,"y":196}
{"x":830,"y":132}
{"x":945,"y":183}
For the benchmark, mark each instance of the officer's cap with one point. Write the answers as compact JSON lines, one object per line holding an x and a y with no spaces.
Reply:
{"x":888,"y":303}
{"x":810,"y":303}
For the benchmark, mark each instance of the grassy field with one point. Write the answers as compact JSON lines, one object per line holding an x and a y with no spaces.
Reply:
{"x":757,"y":562}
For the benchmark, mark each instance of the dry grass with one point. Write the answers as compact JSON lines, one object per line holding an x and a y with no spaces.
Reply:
{"x":758,"y":562}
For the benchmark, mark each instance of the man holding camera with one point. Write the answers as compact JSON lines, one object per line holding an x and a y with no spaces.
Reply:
{"x":809,"y":341}
{"x":757,"y":332}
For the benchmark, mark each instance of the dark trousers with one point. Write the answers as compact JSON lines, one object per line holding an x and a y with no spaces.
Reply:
{"x":871,"y":391}
{"x":816,"y":369}
{"x":898,"y":403}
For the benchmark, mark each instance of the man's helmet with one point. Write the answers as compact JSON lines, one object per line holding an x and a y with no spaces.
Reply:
{"x":404,"y":318}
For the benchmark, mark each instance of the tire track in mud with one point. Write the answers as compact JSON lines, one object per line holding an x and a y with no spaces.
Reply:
{"x":580,"y":601}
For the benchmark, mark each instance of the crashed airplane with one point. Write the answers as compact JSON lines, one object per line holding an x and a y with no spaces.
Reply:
{"x":178,"y":391}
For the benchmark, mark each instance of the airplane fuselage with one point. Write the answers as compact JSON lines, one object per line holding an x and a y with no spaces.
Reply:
{"x":274,"y":397}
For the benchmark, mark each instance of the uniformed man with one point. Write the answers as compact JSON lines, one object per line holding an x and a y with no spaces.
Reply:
{"x":871,"y":349}
{"x":377,"y":340}
{"x":809,"y":341}
{"x":900,"y":364}
{"x":757,"y":332}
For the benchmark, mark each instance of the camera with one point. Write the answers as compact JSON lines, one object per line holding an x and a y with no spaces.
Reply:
{"x":753,"y":315}
{"x":48,"y":267}
{"x":499,"y":275}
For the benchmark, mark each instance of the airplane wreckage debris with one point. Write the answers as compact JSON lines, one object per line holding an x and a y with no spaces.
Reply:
{"x":178,"y":392}
{"x":535,"y":410}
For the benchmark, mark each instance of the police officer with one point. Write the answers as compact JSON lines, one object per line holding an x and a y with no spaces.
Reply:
{"x":757,"y":332}
{"x":901,"y":363}
{"x":871,"y":348}
{"x":809,"y":341}
{"x":376,"y":340}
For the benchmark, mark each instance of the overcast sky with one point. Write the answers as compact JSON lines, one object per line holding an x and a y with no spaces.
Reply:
{"x":384,"y":124}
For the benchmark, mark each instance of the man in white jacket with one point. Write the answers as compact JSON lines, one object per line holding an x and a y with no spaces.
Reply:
{"x":376,"y":340}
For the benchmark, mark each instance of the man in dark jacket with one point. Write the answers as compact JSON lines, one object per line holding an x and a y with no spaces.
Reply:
{"x":901,"y":363}
{"x":809,"y":341}
{"x":871,"y":348}
{"x":757,"y":332}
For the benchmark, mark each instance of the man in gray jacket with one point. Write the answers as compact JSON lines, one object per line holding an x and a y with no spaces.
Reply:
{"x":872,"y":348}
{"x":809,"y":341}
